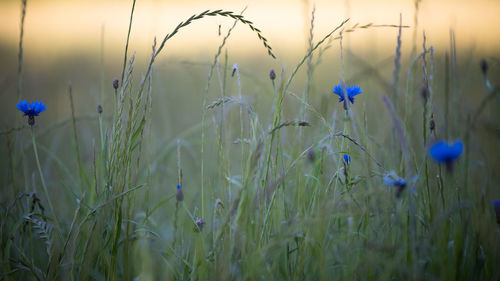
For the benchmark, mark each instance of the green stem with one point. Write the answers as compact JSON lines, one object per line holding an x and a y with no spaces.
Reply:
{"x":45,"y":190}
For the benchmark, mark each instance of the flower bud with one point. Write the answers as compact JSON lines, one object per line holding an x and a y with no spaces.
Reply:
{"x":272,"y":75}
{"x":115,"y":84}
{"x":484,"y":66}
{"x":99,"y":109}
{"x":432,"y":123}
{"x":179,"y":196}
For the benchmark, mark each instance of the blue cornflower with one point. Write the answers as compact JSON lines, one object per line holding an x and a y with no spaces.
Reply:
{"x":351,"y":91}
{"x":392,"y":179}
{"x":347,"y":159}
{"x":31,"y":109}
{"x":496,"y":207}
{"x":443,"y":152}
{"x":179,"y":196}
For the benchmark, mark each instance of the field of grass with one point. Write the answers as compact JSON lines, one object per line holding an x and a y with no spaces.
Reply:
{"x":247,"y":174}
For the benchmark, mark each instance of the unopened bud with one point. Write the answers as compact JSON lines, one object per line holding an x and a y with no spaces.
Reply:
{"x":115,"y":84}
{"x":272,"y":75}
{"x":99,"y":109}
{"x":432,"y":123}
{"x":424,"y":92}
{"x":484,"y":66}
{"x":179,"y":196}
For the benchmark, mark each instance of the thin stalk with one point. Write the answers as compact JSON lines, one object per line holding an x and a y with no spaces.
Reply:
{"x":126,"y":44}
{"x":42,"y":178}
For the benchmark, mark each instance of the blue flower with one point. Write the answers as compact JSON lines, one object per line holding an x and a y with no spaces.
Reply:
{"x":392,"y":179}
{"x":351,"y":91}
{"x":347,"y":159}
{"x":31,"y":109}
{"x":443,"y":152}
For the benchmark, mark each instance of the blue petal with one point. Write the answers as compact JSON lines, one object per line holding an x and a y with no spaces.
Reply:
{"x":392,"y":179}
{"x":496,"y":206}
{"x":347,"y":159}
{"x":178,"y":187}
{"x":339,"y":91}
{"x":442,"y":152}
{"x":37,"y":107}
{"x":456,"y":150}
{"x":23,"y":106}
{"x":387,"y":180}
{"x":353,"y":91}
{"x":438,"y":151}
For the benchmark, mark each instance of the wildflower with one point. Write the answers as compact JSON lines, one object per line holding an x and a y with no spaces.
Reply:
{"x":31,"y":109}
{"x":391,"y":179}
{"x":347,"y":159}
{"x":179,"y":196}
{"x":99,"y":109}
{"x":198,"y":224}
{"x":351,"y":91}
{"x":443,"y":152}
{"x":496,"y":207}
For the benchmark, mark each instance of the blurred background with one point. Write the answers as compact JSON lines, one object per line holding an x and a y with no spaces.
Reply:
{"x":82,"y":42}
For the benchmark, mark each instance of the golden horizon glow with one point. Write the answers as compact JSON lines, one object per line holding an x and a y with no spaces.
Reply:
{"x":66,"y":27}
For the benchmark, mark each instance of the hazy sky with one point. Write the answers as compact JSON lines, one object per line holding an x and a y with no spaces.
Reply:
{"x":78,"y":26}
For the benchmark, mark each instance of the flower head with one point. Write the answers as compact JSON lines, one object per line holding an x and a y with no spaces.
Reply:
{"x":443,"y":152}
{"x":392,"y":179}
{"x":351,"y":91}
{"x":198,"y":224}
{"x":31,"y":109}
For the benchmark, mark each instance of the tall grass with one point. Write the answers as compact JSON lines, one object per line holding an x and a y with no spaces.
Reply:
{"x":282,"y":204}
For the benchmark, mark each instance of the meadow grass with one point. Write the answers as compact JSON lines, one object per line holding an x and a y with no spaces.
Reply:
{"x":277,"y":198}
